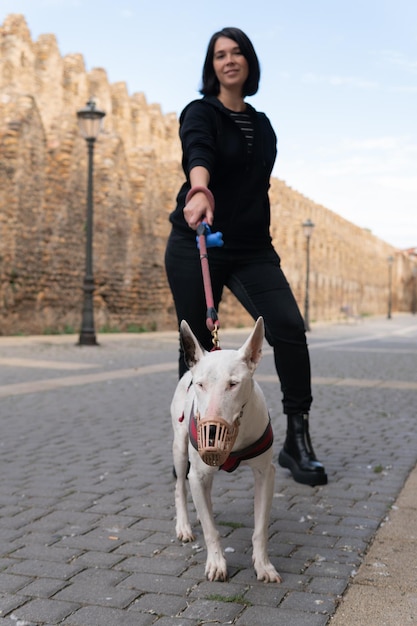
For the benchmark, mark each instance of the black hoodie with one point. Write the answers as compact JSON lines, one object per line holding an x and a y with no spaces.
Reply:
{"x":239,"y":181}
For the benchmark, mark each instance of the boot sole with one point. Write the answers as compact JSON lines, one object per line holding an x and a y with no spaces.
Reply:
{"x":305,"y":478}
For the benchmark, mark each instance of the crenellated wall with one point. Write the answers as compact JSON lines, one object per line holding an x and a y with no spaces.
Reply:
{"x":43,"y":177}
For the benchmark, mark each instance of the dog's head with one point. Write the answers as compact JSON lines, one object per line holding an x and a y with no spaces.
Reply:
{"x":222,"y":383}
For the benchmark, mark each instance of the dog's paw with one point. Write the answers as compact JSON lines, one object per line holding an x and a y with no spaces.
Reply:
{"x":185,"y":534}
{"x":216,"y":570}
{"x":267,"y":573}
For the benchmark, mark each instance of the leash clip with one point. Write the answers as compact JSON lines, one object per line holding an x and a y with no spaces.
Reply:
{"x":215,"y":338}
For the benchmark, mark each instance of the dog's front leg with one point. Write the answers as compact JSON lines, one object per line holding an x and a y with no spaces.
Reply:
{"x":201,"y":482}
{"x":264,"y":476}
{"x":180,"y":454}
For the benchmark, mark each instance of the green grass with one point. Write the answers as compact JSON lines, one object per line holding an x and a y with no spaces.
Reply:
{"x":237,"y":599}
{"x":232,"y":524}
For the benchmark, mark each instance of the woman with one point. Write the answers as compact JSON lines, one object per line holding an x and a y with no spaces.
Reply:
{"x":229,"y":150}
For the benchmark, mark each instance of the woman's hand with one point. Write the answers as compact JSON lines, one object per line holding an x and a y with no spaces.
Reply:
{"x":198,"y":210}
{"x":199,"y":203}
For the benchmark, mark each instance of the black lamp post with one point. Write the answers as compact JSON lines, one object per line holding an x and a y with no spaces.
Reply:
{"x":308,"y":227}
{"x":390,"y":260}
{"x":414,"y":300}
{"x":90,"y":122}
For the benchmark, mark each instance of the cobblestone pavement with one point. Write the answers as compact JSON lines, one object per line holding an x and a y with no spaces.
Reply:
{"x":87,"y":531}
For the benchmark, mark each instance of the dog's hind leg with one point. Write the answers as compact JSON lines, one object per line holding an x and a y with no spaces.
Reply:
{"x":264,"y":490}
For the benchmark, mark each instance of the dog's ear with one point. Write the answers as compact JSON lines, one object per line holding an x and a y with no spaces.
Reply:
{"x":251,"y":350}
{"x":193,"y":351}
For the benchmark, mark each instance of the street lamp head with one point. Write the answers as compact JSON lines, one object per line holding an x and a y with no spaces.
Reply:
{"x":308,"y":228}
{"x":90,"y":120}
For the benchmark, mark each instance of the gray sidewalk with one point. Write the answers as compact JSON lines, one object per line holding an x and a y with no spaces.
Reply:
{"x":87,"y":531}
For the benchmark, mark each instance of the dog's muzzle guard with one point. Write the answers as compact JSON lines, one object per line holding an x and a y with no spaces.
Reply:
{"x":215,"y":439}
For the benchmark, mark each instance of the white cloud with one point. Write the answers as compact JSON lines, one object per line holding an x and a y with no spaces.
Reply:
{"x":407,"y":184}
{"x":397,"y":59}
{"x":404,"y":89}
{"x":338,"y":81}
{"x":375,"y":143}
{"x":61,"y":3}
{"x":369,"y":181}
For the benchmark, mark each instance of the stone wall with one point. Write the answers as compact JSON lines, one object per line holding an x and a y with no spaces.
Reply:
{"x":43,"y":172}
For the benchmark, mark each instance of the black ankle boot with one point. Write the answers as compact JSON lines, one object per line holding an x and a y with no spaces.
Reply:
{"x":298,"y":456}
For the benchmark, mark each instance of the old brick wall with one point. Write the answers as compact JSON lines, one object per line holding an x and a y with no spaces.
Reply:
{"x":43,"y":172}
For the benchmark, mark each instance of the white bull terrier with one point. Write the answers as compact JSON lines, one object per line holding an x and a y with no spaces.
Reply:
{"x":220,"y":420}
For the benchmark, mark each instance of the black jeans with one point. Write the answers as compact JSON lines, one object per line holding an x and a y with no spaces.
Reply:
{"x":256,"y":279}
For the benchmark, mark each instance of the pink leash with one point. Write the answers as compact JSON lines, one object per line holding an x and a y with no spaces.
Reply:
{"x":212,"y":320}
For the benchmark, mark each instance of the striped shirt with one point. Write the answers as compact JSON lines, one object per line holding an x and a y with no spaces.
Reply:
{"x":244,"y":122}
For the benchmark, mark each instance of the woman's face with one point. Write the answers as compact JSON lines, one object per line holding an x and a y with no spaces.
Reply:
{"x":229,"y":64}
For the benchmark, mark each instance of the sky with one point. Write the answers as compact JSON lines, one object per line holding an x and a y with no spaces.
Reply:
{"x":338,"y":82}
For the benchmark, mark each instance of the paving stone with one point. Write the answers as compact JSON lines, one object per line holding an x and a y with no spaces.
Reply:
{"x":336,"y":570}
{"x":213,"y":611}
{"x":101,"y":540}
{"x":137,"y":548}
{"x":309,"y":602}
{"x":22,"y":518}
{"x":150,"y":582}
{"x":100,"y":595}
{"x":40,"y":610}
{"x":10,"y":582}
{"x":42,"y":588}
{"x":100,"y":616}
{"x":325,"y":585}
{"x":177,"y":621}
{"x":98,"y":579}
{"x":156,"y":565}
{"x":9,"y":547}
{"x":47,"y":569}
{"x":267,"y":595}
{"x":160,"y":604}
{"x":93,"y":558}
{"x":9,"y":602}
{"x":46,"y":553}
{"x":262,"y":616}
{"x":309,"y":555}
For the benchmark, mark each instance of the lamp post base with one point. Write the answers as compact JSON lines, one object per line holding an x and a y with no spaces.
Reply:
{"x":87,"y":332}
{"x":87,"y":339}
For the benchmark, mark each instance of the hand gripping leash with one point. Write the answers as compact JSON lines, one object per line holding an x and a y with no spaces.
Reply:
{"x":207,"y":239}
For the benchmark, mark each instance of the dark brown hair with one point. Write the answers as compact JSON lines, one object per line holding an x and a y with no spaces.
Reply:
{"x":210,"y":85}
